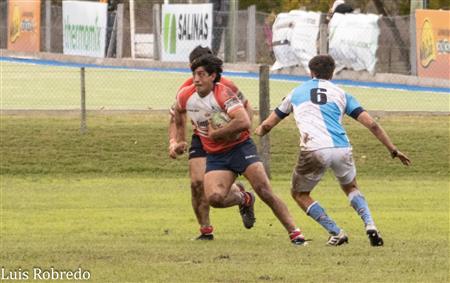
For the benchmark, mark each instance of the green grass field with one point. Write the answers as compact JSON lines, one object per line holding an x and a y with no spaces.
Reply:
{"x":113,"y":203}
{"x":27,"y":86}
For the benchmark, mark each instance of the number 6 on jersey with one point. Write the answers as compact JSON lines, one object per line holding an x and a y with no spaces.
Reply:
{"x":318,"y":96}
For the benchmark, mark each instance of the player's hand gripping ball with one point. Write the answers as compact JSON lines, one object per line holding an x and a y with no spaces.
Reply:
{"x":219,"y":119}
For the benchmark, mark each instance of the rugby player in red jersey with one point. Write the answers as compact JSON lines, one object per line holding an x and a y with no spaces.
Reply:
{"x":230,"y":150}
{"x":197,"y":157}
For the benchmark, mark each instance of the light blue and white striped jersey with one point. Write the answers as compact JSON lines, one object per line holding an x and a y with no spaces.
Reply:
{"x":318,"y":107}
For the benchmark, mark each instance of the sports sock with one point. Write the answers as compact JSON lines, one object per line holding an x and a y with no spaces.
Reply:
{"x":359,"y":204}
{"x":206,"y":230}
{"x":295,"y":233}
{"x":246,"y":198}
{"x":316,"y":212}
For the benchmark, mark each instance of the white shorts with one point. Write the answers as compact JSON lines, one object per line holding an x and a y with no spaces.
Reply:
{"x":312,"y":165}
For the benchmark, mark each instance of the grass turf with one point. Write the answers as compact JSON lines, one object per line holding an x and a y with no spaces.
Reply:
{"x":112,"y":202}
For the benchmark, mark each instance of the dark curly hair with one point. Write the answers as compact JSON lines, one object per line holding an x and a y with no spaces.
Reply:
{"x":197,"y":52}
{"x":322,"y":66}
{"x":210,"y":63}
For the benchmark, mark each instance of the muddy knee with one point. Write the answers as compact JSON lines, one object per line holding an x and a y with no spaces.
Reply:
{"x":216,"y":200}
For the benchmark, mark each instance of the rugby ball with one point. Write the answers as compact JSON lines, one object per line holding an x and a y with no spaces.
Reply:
{"x":219,"y":119}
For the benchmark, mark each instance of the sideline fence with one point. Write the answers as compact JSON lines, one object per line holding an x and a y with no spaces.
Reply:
{"x":252,"y":44}
{"x":51,"y":85}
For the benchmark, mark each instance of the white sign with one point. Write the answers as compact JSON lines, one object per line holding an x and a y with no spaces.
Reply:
{"x":353,"y":41}
{"x":184,"y":27}
{"x":84,"y":28}
{"x":294,"y":38}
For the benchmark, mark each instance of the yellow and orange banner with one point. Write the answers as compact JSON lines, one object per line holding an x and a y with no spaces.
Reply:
{"x":433,"y":43}
{"x":24,"y":25}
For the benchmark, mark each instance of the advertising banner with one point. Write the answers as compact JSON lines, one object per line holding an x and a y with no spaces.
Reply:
{"x":84,"y":28}
{"x":353,"y":41}
{"x":24,"y":25}
{"x":294,"y":38}
{"x":184,"y":27}
{"x":433,"y":43}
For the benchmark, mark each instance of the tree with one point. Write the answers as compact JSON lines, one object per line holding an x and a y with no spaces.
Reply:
{"x":261,"y":5}
{"x":392,"y":8}
{"x":438,"y":4}
{"x":286,"y":5}
{"x":310,"y":5}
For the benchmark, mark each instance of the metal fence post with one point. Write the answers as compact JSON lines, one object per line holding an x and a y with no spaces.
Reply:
{"x":415,"y":4}
{"x":264,"y":111}
{"x":119,"y":40}
{"x":48,"y":25}
{"x":156,"y":32}
{"x":323,"y":39}
{"x":251,"y":34}
{"x":113,"y":39}
{"x":83,"y":127}
{"x":231,"y":42}
{"x":132,"y":29}
{"x":412,"y":43}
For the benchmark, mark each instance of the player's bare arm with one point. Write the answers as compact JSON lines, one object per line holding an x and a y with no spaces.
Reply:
{"x":230,"y":84}
{"x":172,"y":133}
{"x":367,"y":120}
{"x":267,"y":125}
{"x":238,"y":123}
{"x":247,"y":104}
{"x":172,"y":137}
{"x":249,"y":110}
{"x":180,"y":126}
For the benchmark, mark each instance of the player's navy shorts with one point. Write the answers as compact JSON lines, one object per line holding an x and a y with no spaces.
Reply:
{"x":237,"y":159}
{"x":196,"y":149}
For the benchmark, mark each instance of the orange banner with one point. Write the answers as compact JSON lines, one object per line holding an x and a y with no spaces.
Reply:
{"x":24,"y":25}
{"x":433,"y":43}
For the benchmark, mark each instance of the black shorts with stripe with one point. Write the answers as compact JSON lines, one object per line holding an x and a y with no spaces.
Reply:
{"x":236,"y":159}
{"x":196,"y":150}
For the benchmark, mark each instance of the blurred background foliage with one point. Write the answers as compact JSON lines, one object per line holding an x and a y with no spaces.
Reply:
{"x":392,"y":7}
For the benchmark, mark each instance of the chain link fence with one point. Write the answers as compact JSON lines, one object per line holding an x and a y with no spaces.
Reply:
{"x":136,"y":85}
{"x":48,"y":86}
{"x":393,"y":51}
